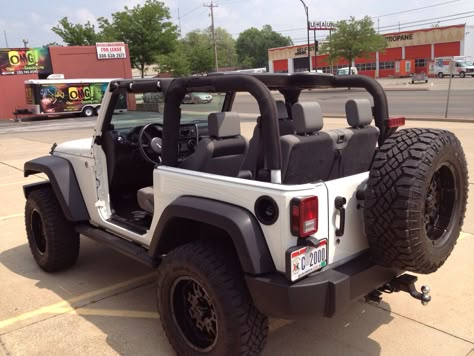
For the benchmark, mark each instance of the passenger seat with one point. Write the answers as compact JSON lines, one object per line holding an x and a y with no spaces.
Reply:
{"x":359,"y":152}
{"x":308,"y":155}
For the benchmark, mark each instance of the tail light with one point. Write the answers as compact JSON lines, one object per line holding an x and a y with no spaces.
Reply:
{"x":393,"y":122}
{"x":304,"y":216}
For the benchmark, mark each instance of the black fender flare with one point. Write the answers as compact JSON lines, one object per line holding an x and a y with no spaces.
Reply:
{"x":64,"y":183}
{"x":239,"y":223}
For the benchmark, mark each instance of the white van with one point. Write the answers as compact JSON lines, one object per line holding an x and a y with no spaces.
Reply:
{"x":462,"y":66}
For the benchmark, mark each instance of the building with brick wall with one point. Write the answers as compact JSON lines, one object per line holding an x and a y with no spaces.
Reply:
{"x":417,"y":47}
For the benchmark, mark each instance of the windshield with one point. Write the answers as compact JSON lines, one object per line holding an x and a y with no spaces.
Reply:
{"x":145,"y":108}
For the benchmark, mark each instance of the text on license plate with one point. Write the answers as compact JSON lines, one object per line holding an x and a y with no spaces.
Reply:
{"x":307,"y":259}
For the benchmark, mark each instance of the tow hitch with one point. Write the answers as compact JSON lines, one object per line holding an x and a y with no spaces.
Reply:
{"x":403,"y":283}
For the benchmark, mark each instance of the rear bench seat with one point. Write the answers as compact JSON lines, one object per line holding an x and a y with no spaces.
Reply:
{"x":361,"y":141}
{"x":311,"y":154}
{"x":308,"y":155}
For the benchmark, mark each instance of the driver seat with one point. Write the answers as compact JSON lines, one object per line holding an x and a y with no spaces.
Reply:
{"x":223,"y":152}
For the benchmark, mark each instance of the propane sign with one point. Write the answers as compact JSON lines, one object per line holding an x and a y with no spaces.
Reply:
{"x":110,"y":50}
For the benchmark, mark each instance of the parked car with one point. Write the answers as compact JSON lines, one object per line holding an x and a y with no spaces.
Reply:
{"x":345,"y":71}
{"x":197,"y":98}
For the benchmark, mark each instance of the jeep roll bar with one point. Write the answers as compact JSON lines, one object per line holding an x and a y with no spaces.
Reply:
{"x":259,"y":86}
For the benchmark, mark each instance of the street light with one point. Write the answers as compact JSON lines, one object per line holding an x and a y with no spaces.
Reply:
{"x":307,"y":31}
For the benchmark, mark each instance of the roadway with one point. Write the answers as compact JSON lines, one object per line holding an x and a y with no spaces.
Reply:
{"x":418,"y":101}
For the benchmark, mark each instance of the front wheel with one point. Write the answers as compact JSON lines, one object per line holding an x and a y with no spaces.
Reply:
{"x":204,"y":306}
{"x":440,"y":75}
{"x":462,"y":74}
{"x":52,"y":239}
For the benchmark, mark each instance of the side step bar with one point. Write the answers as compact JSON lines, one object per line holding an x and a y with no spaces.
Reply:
{"x":123,"y":246}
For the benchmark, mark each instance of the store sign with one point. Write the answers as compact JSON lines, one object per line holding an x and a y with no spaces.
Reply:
{"x":16,"y":61}
{"x":398,"y":38}
{"x":322,"y":25}
{"x":110,"y":50}
{"x":303,"y":50}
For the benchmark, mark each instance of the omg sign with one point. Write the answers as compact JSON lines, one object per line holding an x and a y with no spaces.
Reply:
{"x":23,"y":58}
{"x":25,"y":61}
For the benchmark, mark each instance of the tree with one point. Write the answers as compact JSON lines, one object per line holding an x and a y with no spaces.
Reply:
{"x":353,"y":39}
{"x":198,"y":49}
{"x":76,"y":34}
{"x":146,"y":29}
{"x":226,"y":53}
{"x":175,"y":62}
{"x":252,"y":46}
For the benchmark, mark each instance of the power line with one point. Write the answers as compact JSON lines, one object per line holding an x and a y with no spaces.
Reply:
{"x":430,"y":22}
{"x":446,"y":18}
{"x":419,"y":8}
{"x":191,"y":11}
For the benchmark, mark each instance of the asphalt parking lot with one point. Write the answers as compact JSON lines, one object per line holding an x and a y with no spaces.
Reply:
{"x":105,"y":304}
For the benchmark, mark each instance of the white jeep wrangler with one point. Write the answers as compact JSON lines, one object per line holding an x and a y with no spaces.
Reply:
{"x":295,"y":221}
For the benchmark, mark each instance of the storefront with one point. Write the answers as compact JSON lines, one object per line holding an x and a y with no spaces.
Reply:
{"x":105,"y":60}
{"x":412,"y":50}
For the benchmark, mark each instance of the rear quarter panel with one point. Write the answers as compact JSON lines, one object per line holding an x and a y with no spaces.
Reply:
{"x":170,"y":183}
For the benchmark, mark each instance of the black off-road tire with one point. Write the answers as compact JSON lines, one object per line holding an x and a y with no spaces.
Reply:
{"x":52,"y":239}
{"x":416,"y":199}
{"x":204,"y":305}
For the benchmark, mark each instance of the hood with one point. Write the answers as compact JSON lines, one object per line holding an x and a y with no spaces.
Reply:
{"x":80,"y":147}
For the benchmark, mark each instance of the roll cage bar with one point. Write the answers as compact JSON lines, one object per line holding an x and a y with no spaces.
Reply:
{"x":259,"y":86}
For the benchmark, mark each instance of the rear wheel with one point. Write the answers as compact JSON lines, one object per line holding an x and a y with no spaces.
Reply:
{"x":204,"y":306}
{"x":88,"y":111}
{"x":440,"y":75}
{"x":52,"y":239}
{"x":416,"y":199}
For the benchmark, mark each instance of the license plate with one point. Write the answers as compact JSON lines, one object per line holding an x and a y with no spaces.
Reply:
{"x":302,"y":261}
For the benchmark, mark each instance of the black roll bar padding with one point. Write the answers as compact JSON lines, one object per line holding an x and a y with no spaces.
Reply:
{"x":141,"y":85}
{"x":378,"y":94}
{"x":222,"y":83}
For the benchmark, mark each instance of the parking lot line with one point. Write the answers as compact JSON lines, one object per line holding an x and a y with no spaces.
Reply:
{"x":13,"y":183}
{"x":117,"y":313}
{"x":463,"y":235}
{"x":71,"y":304}
{"x":12,"y":216}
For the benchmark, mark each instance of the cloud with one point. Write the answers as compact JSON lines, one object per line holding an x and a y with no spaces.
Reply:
{"x":35,"y":18}
{"x":84,"y":15}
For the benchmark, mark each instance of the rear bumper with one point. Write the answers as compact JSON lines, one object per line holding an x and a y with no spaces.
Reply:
{"x":321,"y":294}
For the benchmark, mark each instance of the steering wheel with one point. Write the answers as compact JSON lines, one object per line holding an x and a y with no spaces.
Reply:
{"x":149,"y":142}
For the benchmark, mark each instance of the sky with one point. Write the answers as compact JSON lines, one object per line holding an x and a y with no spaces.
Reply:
{"x":27,"y":20}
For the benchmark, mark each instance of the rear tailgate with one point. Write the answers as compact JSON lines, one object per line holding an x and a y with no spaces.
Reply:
{"x":353,"y":240}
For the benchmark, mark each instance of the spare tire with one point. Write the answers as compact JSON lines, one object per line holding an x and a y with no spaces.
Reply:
{"x":416,"y":199}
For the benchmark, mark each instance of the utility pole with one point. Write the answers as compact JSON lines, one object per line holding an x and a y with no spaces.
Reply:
{"x":307,"y":31}
{"x":179,"y":23}
{"x":6,"y":41}
{"x":212,"y":6}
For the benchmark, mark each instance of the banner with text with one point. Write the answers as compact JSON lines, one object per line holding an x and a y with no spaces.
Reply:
{"x":110,"y":50}
{"x":15,"y":61}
